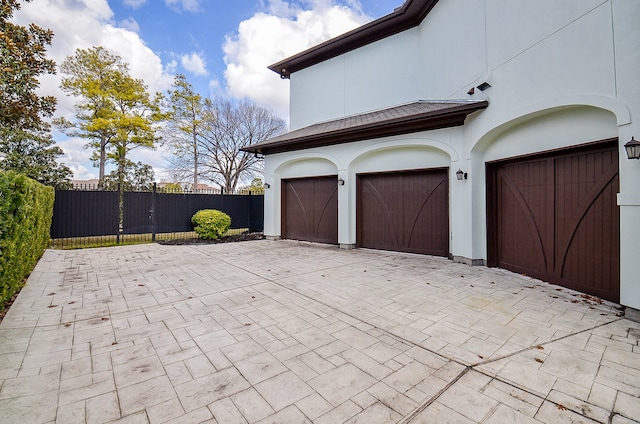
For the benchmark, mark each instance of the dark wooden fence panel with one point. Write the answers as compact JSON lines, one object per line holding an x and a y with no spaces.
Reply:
{"x":84,"y":214}
{"x":173,"y":212}
{"x":95,"y":213}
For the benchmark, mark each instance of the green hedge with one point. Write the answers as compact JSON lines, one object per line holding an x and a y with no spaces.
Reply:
{"x":26,"y":208}
{"x":211,"y":224}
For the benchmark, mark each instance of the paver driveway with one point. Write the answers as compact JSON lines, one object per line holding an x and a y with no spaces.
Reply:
{"x":286,"y":332}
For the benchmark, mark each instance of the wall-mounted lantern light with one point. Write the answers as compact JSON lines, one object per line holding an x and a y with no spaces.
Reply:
{"x":267,"y":185}
{"x":633,"y":148}
{"x":461,"y":175}
{"x":340,"y":182}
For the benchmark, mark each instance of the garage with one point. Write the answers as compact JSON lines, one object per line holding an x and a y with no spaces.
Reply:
{"x":555,"y":217}
{"x":404,"y":211}
{"x":310,"y":209}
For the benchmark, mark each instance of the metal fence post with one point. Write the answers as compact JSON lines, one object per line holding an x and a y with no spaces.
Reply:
{"x":249,"y":212}
{"x":120,"y":211}
{"x":152,"y":215}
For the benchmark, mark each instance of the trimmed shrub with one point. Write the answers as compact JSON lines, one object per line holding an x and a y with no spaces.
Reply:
{"x":26,"y":209}
{"x":211,"y":224}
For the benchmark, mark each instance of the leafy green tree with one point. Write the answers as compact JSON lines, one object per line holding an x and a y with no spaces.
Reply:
{"x":22,"y":60}
{"x":185,"y":127}
{"x":33,"y":153}
{"x":137,"y":177}
{"x":134,"y":122}
{"x":26,"y":145}
{"x":256,"y":186}
{"x":115,"y":113}
{"x":172,"y":188}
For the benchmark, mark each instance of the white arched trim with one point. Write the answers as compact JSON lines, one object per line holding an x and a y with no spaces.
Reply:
{"x":307,"y":156}
{"x":516,"y":116}
{"x":415,"y":143}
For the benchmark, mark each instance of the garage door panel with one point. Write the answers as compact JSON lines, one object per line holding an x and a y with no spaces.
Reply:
{"x":310,"y":209}
{"x":523,"y":248}
{"x":556,"y":218}
{"x":433,"y":207}
{"x":404,"y":211}
{"x":587,"y":241}
{"x":377,"y":224}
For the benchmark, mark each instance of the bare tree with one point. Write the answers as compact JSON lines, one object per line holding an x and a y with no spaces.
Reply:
{"x":231,"y":127}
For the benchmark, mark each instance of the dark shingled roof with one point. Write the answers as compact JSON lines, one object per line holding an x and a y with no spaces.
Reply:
{"x":404,"y":119}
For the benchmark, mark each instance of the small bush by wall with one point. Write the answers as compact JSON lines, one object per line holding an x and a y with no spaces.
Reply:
{"x":211,"y":224}
{"x":26,"y":208}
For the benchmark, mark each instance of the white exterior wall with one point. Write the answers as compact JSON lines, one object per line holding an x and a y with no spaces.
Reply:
{"x":343,"y":86}
{"x":562,"y":73}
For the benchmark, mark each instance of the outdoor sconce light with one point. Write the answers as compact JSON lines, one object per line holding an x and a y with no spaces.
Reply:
{"x":267,"y":185}
{"x":340,"y":182}
{"x":461,"y":175}
{"x":633,"y":148}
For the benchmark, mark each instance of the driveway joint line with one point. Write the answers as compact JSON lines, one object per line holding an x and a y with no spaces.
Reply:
{"x":468,"y":367}
{"x":409,"y":417}
{"x":526,"y":349}
{"x":543,"y":399}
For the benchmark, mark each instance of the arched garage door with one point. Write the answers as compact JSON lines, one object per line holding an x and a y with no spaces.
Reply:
{"x":555,"y":217}
{"x":404,"y":211}
{"x":310,"y":209}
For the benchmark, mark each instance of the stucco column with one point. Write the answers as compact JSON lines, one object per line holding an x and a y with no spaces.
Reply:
{"x":629,"y":202}
{"x":271,"y":227}
{"x":460,"y":228}
{"x":344,"y":209}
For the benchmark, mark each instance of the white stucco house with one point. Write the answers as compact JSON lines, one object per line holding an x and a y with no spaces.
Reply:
{"x":492,"y":132}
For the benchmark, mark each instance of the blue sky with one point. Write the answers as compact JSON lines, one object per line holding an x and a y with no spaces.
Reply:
{"x":222,"y":46}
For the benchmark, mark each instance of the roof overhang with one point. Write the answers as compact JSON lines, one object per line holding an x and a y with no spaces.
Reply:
{"x":404,"y":119}
{"x":407,"y":16}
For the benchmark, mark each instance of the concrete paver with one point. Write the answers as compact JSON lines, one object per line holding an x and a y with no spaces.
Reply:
{"x":287,"y":332}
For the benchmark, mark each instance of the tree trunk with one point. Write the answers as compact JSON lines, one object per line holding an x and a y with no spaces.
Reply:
{"x":121,"y":171}
{"x":195,"y":162}
{"x":103,"y":159}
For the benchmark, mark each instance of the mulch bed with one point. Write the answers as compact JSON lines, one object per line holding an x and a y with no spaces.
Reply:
{"x":5,"y":309}
{"x":226,"y":239}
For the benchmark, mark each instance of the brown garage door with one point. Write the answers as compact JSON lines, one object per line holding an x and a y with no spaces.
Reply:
{"x":310,"y":209}
{"x":555,"y":217}
{"x":404,"y":211}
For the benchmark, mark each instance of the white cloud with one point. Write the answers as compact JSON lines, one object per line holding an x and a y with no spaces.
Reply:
{"x":86,"y":23}
{"x":78,"y":159}
{"x":171,"y":67}
{"x":134,"y":3}
{"x":83,"y":24}
{"x":266,"y":38}
{"x":285,"y":29}
{"x":130,"y":24}
{"x":157,"y":158}
{"x":215,"y":86}
{"x":194,"y":63}
{"x":188,"y":5}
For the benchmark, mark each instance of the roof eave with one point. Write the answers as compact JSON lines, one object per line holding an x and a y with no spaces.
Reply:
{"x":406,"y":125}
{"x":407,"y":16}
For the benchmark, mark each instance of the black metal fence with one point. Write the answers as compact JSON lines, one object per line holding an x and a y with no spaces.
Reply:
{"x":91,"y":217}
